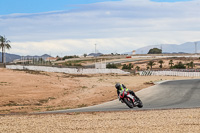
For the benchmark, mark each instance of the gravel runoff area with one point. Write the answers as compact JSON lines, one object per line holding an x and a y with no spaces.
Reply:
{"x":153,"y":121}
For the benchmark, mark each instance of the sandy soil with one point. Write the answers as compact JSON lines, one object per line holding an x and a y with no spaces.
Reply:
{"x":31,"y":91}
{"x":155,"y":121}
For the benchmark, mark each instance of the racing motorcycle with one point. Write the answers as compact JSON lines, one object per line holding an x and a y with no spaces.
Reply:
{"x":130,"y":100}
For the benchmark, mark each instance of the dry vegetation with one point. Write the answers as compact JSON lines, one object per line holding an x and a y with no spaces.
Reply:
{"x":32,"y":91}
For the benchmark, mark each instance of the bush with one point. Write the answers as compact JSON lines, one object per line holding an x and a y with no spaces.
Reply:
{"x":109,"y":65}
{"x":69,"y":57}
{"x":137,"y":68}
{"x":59,"y":59}
{"x":179,"y":65}
{"x":129,"y":66}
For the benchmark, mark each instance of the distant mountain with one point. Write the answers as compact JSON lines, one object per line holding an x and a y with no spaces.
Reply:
{"x":36,"y":56}
{"x":127,"y":53}
{"x":95,"y":54}
{"x":11,"y":57}
{"x":188,"y":47}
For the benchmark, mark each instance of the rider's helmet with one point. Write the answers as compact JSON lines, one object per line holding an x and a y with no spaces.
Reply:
{"x":118,"y":86}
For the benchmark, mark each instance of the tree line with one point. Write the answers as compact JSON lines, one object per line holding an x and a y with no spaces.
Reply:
{"x":172,"y":65}
{"x":150,"y":64}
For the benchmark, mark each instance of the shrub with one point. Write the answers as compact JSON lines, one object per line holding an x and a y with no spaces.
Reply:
{"x":137,"y":68}
{"x":129,"y":66}
{"x":69,"y":57}
{"x":179,"y":65}
{"x":109,"y":65}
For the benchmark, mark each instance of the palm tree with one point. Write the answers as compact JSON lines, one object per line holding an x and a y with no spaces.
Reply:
{"x":188,"y":65}
{"x":191,"y":64}
{"x":151,"y":64}
{"x":4,"y":44}
{"x":137,"y":68}
{"x":160,"y":62}
{"x":171,"y":63}
{"x":85,"y":55}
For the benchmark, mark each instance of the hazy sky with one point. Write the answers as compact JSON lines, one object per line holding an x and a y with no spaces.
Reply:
{"x":68,"y":27}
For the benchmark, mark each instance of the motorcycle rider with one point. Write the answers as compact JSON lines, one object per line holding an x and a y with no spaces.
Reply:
{"x":122,"y":87}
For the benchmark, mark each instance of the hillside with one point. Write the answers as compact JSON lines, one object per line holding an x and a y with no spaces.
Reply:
{"x":11,"y":57}
{"x":188,"y":47}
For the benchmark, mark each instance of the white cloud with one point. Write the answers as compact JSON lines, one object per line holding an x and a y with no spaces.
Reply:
{"x":114,"y":26}
{"x":70,"y":47}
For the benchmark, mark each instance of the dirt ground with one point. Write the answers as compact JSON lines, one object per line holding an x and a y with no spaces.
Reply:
{"x":154,"y":121}
{"x":32,"y":91}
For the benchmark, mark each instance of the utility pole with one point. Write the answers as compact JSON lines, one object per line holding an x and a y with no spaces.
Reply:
{"x":95,"y":48}
{"x":95,"y":55}
{"x":195,"y":47}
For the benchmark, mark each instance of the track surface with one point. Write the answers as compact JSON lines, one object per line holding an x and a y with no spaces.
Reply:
{"x":166,"y":95}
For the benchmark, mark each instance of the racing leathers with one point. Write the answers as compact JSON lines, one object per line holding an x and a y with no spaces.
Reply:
{"x":122,"y":88}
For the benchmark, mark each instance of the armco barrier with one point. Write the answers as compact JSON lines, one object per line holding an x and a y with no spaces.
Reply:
{"x":67,"y":70}
{"x":170,"y":73}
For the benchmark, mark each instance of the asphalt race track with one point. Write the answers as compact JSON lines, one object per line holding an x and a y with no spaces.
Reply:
{"x":166,"y":95}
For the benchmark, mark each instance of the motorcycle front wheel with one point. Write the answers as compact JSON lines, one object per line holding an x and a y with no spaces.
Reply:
{"x":140,"y":105}
{"x":128,"y":103}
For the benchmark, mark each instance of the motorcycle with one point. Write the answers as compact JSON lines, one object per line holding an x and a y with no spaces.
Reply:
{"x":130,"y":100}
